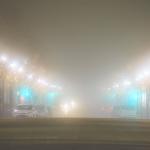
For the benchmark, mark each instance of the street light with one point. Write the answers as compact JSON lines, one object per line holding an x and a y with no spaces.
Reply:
{"x":65,"y":108}
{"x":126,"y":83}
{"x":140,"y":77}
{"x":13,"y":65}
{"x":73,"y":104}
{"x":30,"y":76}
{"x":146,"y":73}
{"x":42,"y":82}
{"x":68,"y":107}
{"x":3,"y":58}
{"x":20,"y":70}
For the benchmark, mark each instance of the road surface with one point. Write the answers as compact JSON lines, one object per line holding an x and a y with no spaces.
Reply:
{"x":74,"y":134}
{"x":75,"y":147}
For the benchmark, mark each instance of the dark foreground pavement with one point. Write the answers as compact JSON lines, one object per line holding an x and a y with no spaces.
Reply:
{"x":74,"y":134}
{"x":74,"y":147}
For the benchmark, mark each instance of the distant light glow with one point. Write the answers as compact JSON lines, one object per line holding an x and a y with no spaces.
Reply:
{"x":146,"y":73}
{"x":39,"y":80}
{"x":14,"y":65}
{"x":30,"y":76}
{"x":116,"y":85}
{"x":73,"y":104}
{"x":126,"y":83}
{"x":15,"y":110}
{"x":65,"y":108}
{"x":3,"y":58}
{"x":143,"y":75}
{"x":139,"y":77}
{"x":68,"y":107}
{"x":42,"y":82}
{"x":20,"y":70}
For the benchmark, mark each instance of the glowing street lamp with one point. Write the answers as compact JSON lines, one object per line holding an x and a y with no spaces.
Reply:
{"x":20,"y":70}
{"x":73,"y":104}
{"x":13,"y":65}
{"x":68,"y":107}
{"x":42,"y":82}
{"x":39,"y":80}
{"x":3,"y":58}
{"x":30,"y":76}
{"x":126,"y":83}
{"x":140,"y":77}
{"x":65,"y":108}
{"x":146,"y":73}
{"x":143,"y":75}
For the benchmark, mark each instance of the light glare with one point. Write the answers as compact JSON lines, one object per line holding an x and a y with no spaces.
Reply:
{"x":20,"y":70}
{"x":4,"y":58}
{"x":65,"y":108}
{"x":14,"y":65}
{"x":30,"y":76}
{"x":126,"y":83}
{"x":116,"y":86}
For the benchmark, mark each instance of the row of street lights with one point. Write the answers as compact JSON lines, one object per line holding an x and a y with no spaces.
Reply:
{"x":141,"y":83}
{"x":14,"y":74}
{"x":139,"y":79}
{"x":17,"y":69}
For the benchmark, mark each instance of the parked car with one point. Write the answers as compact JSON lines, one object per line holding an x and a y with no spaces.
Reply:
{"x":24,"y":111}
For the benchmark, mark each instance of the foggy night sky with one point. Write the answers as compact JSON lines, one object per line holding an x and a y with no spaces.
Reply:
{"x":82,"y":43}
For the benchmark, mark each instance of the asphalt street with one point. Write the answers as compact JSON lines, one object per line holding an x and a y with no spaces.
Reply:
{"x":74,"y":147}
{"x":72,"y":134}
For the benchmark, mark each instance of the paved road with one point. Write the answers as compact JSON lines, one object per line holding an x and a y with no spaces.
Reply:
{"x":88,"y":134}
{"x":74,"y":147}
